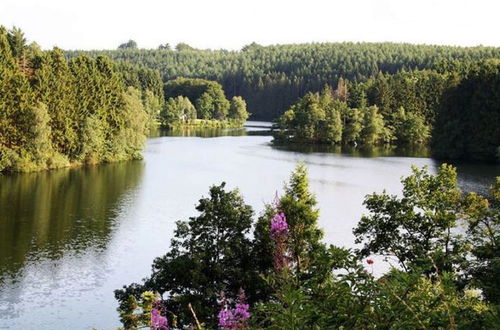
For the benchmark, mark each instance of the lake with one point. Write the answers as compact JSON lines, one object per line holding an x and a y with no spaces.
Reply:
{"x":68,"y":238}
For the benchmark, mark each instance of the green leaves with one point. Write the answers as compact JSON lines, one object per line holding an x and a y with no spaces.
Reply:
{"x":238,"y":110}
{"x":55,"y":113}
{"x":178,"y":110}
{"x":210,"y":253}
{"x":330,"y":287}
{"x":418,"y":224}
{"x":467,"y":123}
{"x":207,"y":96}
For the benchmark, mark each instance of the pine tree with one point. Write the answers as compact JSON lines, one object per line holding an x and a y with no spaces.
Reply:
{"x":299,"y":206}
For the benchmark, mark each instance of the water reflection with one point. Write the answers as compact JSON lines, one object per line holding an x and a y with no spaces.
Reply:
{"x":46,"y":215}
{"x":471,"y":176}
{"x":252,"y":129}
{"x":370,"y":152}
{"x":205,"y":132}
{"x":69,"y":238}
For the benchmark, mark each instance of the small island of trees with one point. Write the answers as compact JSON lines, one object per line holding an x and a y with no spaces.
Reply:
{"x":200,"y":102}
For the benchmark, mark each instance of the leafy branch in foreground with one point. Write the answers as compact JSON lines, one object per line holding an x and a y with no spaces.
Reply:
{"x":292,"y":280}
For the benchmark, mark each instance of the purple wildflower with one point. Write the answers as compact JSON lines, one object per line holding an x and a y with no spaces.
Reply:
{"x":279,"y":226}
{"x":279,"y":232}
{"x":158,"y":322}
{"x":241,"y":312}
{"x":234,"y":319}
{"x":226,"y":319}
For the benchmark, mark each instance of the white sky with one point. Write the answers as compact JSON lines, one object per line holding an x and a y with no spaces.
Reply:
{"x":230,"y":24}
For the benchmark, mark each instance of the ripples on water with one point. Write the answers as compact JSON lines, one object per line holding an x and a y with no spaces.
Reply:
{"x":69,"y":238}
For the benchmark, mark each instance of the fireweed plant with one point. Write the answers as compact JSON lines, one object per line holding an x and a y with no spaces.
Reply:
{"x":279,"y":233}
{"x":444,"y":279}
{"x":158,"y":322}
{"x":237,"y":318}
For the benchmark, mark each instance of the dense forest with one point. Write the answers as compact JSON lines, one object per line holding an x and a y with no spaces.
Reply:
{"x":217,"y":275}
{"x":57,"y":113}
{"x":456,"y":108}
{"x":272,"y":78}
{"x":384,"y":93}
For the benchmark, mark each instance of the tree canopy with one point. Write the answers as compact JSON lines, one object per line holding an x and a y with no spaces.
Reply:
{"x":56,"y":113}
{"x":272,"y":78}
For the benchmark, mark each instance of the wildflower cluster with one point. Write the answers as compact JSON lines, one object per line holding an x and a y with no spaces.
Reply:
{"x":237,"y":318}
{"x":279,"y":233}
{"x":279,"y":226}
{"x":158,"y":322}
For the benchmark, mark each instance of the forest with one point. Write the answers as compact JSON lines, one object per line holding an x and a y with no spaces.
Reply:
{"x":456,"y":110}
{"x":272,"y":78}
{"x":276,"y":272}
{"x":58,"y":113}
{"x":383,"y":93}
{"x":250,"y":165}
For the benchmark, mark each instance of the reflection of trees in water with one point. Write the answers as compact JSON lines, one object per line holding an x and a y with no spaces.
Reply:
{"x":360,"y":151}
{"x":47,"y":214}
{"x":198,"y":132}
{"x":471,"y":176}
{"x":208,"y":132}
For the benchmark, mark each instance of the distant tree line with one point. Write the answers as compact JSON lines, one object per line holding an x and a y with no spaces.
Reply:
{"x":57,"y":113}
{"x":272,"y":78}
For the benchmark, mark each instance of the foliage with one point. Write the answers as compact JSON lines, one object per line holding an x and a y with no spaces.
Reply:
{"x":137,"y":311}
{"x":148,"y":82}
{"x":449,"y":91}
{"x":209,"y":254}
{"x":417,"y":225}
{"x":305,"y":284}
{"x":55,"y":113}
{"x":238,"y":110}
{"x":177,"y":110}
{"x":483,"y":235}
{"x":324,"y":118}
{"x":131,"y":44}
{"x":272,"y":78}
{"x":373,"y":126}
{"x":467,"y":123}
{"x":340,"y":293}
{"x":209,"y":101}
{"x":410,"y":127}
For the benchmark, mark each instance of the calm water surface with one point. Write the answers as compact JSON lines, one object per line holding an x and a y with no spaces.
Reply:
{"x":69,"y":238}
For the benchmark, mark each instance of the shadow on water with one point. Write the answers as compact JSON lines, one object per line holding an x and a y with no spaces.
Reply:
{"x":209,"y":132}
{"x":44,"y":215}
{"x":205,"y":132}
{"x":368,"y":152}
{"x":476,"y":177}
